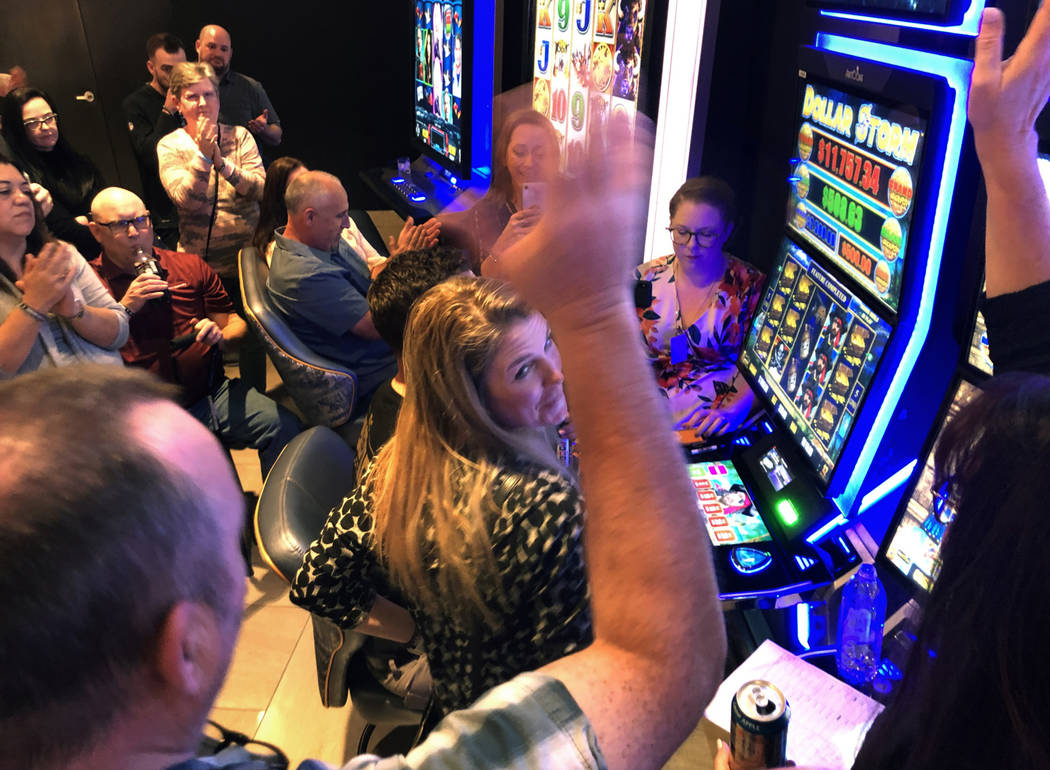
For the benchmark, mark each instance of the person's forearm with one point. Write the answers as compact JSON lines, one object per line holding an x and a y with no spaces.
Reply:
{"x":271,"y":135}
{"x":388,"y":621}
{"x":1017,"y":233}
{"x":233,"y":332}
{"x":100,"y":326}
{"x":653,"y":590}
{"x":18,"y":332}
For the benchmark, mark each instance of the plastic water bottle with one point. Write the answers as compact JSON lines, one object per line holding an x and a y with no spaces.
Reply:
{"x":861,"y":616}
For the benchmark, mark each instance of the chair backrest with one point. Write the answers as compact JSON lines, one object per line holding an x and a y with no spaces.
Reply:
{"x":324,"y":390}
{"x":313,"y":474}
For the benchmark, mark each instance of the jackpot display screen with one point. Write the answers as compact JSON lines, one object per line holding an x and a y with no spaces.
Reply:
{"x":813,"y":349}
{"x":915,"y":543}
{"x":587,"y":68}
{"x":855,"y":185}
{"x":439,"y":98}
{"x":726,"y":505}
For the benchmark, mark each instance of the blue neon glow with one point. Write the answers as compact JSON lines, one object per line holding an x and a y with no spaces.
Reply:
{"x":397,"y":179}
{"x":417,"y":198}
{"x":971,"y":20}
{"x":482,"y":85}
{"x":750,"y":561}
{"x":886,"y":487}
{"x":802,"y":624}
{"x":835,"y":522}
{"x":956,"y":72}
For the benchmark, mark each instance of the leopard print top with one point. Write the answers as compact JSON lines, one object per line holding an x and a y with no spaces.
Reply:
{"x":543,"y":598}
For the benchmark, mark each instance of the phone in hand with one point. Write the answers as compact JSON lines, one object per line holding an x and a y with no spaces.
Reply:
{"x":533,"y":194}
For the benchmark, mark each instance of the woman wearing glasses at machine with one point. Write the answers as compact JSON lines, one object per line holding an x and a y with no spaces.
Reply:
{"x":695,"y":307}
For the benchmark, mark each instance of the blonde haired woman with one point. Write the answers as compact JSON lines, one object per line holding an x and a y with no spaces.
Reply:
{"x":465,"y":517}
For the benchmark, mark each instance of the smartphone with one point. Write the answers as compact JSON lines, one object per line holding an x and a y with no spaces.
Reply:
{"x":533,"y":194}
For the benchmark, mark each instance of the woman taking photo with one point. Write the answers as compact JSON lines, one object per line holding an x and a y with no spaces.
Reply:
{"x":465,"y":517}
{"x":526,"y":151}
{"x":53,"y":309}
{"x":695,"y":307}
{"x":31,"y":128}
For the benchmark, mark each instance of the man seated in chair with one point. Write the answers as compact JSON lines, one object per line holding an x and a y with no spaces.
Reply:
{"x":406,"y":277}
{"x":115,"y":506}
{"x":181,"y":321}
{"x":318,"y":283}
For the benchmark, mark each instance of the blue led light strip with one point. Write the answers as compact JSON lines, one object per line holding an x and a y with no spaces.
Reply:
{"x":971,"y":20}
{"x":887,"y":486}
{"x":956,"y":72}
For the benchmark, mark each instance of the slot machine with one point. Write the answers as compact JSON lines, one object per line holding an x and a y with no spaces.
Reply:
{"x":854,"y":344}
{"x":454,"y":46}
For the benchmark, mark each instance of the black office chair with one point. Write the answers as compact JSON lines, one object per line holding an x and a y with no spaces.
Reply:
{"x":312,"y":475}
{"x":324,"y":391}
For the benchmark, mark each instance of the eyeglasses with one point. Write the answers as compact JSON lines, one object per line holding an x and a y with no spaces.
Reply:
{"x":35,"y":124}
{"x":120,"y":226}
{"x":704,"y":238}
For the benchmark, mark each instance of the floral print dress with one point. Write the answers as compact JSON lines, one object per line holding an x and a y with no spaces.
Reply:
{"x":707,"y":372}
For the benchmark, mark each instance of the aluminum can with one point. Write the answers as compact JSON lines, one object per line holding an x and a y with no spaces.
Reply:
{"x":758,"y":727}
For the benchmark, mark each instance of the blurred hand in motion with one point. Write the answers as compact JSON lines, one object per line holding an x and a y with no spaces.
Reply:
{"x":1007,"y":96}
{"x":414,"y":237}
{"x":42,"y":197}
{"x":575,"y":264}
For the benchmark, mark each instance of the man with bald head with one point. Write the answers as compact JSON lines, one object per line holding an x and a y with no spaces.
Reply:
{"x":242,"y":100}
{"x":181,"y":319}
{"x":319,"y":284}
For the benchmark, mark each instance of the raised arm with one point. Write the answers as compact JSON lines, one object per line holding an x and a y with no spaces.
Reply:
{"x":184,"y":172}
{"x":1005,"y":99}
{"x":659,"y":643}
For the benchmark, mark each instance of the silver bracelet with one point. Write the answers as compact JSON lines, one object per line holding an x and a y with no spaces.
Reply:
{"x":33,"y":313}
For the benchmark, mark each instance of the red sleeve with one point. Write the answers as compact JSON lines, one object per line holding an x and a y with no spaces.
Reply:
{"x":216,"y":300}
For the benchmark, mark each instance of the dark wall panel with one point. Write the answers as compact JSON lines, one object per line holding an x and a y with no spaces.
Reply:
{"x":334,"y":72}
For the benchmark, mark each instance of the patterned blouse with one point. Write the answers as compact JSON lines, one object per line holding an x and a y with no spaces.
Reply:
{"x":707,"y":373}
{"x":542,"y":600}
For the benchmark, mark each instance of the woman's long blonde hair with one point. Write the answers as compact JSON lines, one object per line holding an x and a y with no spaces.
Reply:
{"x":434,"y":481}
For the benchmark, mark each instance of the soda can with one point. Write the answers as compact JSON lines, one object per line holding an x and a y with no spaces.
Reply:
{"x":758,"y":727}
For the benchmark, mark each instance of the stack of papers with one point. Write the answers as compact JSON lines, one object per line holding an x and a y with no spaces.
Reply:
{"x":828,"y":718}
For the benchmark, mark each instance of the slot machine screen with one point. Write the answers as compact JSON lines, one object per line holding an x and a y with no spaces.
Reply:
{"x":440,"y":98}
{"x":915,"y":542}
{"x":725,"y":503}
{"x":855,"y":184}
{"x":812,"y":350}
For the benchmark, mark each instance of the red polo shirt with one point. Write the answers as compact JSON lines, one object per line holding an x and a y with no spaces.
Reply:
{"x":154,"y":326}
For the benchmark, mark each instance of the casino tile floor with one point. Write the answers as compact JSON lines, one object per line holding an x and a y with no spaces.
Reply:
{"x":271,"y":691}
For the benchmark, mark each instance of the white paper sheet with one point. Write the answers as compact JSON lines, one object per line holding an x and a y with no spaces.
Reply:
{"x":828,"y":717}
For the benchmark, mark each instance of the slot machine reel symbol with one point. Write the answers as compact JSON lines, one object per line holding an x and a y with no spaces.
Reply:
{"x":805,"y":286}
{"x":841,"y":380}
{"x":857,"y":341}
{"x":777,"y":308}
{"x":559,"y":106}
{"x":826,"y":417}
{"x":791,"y":321}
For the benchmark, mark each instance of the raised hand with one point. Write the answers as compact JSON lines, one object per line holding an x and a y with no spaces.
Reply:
{"x":47,"y":276}
{"x":577,"y":259}
{"x":207,"y":140}
{"x":1007,"y":96}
